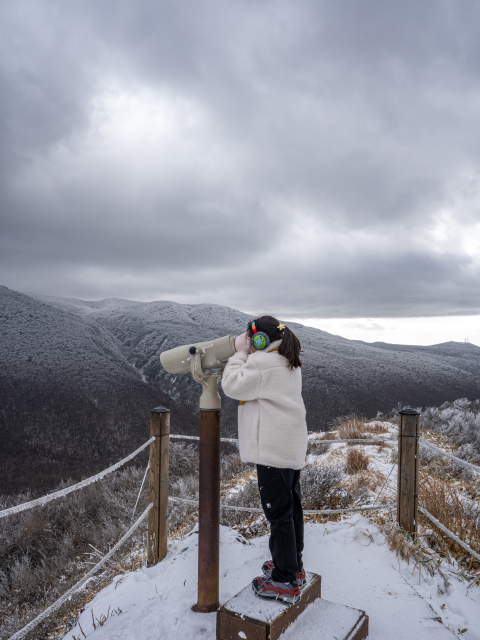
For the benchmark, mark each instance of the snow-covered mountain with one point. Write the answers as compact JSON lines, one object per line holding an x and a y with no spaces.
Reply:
{"x":70,"y":401}
{"x":78,"y":378}
{"x":339,"y":375}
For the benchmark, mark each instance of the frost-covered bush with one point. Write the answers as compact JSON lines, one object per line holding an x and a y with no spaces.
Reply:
{"x":441,"y":465}
{"x":318,"y":448}
{"x":322,"y":488}
{"x":460,"y":421}
{"x":183,"y":460}
{"x":244,"y":495}
{"x":44,"y":551}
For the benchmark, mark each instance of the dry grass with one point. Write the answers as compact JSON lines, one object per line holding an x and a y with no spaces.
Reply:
{"x":450,"y":503}
{"x":461,"y":516}
{"x":352,"y":427}
{"x":413,"y":550}
{"x":356,"y":461}
{"x":366,"y":480}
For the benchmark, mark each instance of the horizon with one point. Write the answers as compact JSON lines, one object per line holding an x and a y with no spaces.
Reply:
{"x":360,"y":328}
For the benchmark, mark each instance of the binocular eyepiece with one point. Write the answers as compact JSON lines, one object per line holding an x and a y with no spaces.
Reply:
{"x":213,"y":355}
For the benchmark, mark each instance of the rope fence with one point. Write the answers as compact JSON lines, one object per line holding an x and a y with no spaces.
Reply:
{"x":64,"y":492}
{"x":306,"y":511}
{"x":68,"y":594}
{"x":319,"y":440}
{"x":452,"y":457}
{"x":449,"y":533}
{"x":357,"y":440}
{"x":365,"y":508}
{"x":175,"y":435}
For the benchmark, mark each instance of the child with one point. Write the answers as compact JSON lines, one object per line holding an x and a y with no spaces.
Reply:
{"x":265,"y":376}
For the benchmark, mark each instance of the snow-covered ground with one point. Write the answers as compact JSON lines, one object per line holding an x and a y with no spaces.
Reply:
{"x":357,"y":570}
{"x":352,"y":556}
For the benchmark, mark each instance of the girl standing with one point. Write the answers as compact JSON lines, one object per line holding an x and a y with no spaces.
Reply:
{"x":265,"y":376}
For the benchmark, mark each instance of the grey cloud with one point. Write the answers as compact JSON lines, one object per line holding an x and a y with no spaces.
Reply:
{"x":358,"y":118}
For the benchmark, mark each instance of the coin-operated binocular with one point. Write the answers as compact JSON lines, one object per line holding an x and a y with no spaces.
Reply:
{"x":205,"y":361}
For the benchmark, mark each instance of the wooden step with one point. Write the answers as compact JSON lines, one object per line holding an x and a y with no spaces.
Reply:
{"x":248,"y":617}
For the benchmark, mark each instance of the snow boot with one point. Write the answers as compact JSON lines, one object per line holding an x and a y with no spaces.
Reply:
{"x":287,"y":592}
{"x":300,"y":577}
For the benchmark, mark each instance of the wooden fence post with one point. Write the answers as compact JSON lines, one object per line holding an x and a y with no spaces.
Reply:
{"x":158,"y":492}
{"x":408,"y":470}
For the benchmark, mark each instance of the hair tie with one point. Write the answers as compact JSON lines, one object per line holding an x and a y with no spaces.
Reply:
{"x":281,"y":326}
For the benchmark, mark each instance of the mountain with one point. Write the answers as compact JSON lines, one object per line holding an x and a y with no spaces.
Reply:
{"x":70,"y":400}
{"x":339,"y":376}
{"x":78,"y":378}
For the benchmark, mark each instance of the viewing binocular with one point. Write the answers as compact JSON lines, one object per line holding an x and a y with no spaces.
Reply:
{"x":213,"y":355}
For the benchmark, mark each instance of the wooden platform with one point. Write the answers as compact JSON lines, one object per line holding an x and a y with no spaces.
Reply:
{"x":248,"y":617}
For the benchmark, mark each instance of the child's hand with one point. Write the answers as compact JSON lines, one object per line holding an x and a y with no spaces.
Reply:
{"x":243,"y":343}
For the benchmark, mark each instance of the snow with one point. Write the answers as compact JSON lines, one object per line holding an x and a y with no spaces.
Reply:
{"x":357,"y":569}
{"x":247,"y":605}
{"x":324,"y":620}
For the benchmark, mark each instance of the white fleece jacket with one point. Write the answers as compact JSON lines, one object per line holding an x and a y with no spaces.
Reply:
{"x":271,"y":417}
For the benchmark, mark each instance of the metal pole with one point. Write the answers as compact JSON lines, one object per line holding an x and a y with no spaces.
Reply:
{"x":209,"y":512}
{"x":408,"y":470}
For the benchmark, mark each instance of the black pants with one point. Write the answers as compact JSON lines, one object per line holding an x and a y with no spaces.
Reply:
{"x":282,"y":504}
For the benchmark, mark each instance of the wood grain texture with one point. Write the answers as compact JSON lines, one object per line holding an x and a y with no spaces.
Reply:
{"x":230,"y":627}
{"x":158,"y":486}
{"x":408,"y":473}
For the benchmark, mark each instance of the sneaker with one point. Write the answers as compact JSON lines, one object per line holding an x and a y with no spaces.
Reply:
{"x":287,"y":592}
{"x":300,"y":577}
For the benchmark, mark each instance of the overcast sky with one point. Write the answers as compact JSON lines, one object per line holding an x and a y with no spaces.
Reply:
{"x":317,"y":160}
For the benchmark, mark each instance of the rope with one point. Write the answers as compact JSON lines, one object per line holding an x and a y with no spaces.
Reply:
{"x":63,"y":492}
{"x":141,"y":487}
{"x":53,"y":607}
{"x":308,"y":512}
{"x":449,"y":533}
{"x":449,"y":455}
{"x":386,"y":480}
{"x":232,"y":440}
{"x":358,"y":440}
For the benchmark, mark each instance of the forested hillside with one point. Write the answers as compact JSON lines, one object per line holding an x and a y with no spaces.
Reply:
{"x":78,"y":378}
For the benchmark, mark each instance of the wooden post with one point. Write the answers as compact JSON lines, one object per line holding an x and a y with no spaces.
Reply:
{"x":158,"y":493}
{"x":408,"y":470}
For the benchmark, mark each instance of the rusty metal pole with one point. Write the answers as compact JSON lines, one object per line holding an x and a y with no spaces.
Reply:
{"x":408,"y":470}
{"x":209,"y":513}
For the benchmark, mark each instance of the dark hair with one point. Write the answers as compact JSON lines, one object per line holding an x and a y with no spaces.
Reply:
{"x":290,"y":347}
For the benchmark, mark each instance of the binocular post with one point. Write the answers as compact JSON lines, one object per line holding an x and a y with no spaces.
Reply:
{"x":209,"y":493}
{"x":209,"y":513}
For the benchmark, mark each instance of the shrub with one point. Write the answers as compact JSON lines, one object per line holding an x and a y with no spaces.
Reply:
{"x":44,"y":551}
{"x":460,"y":421}
{"x":322,"y":488}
